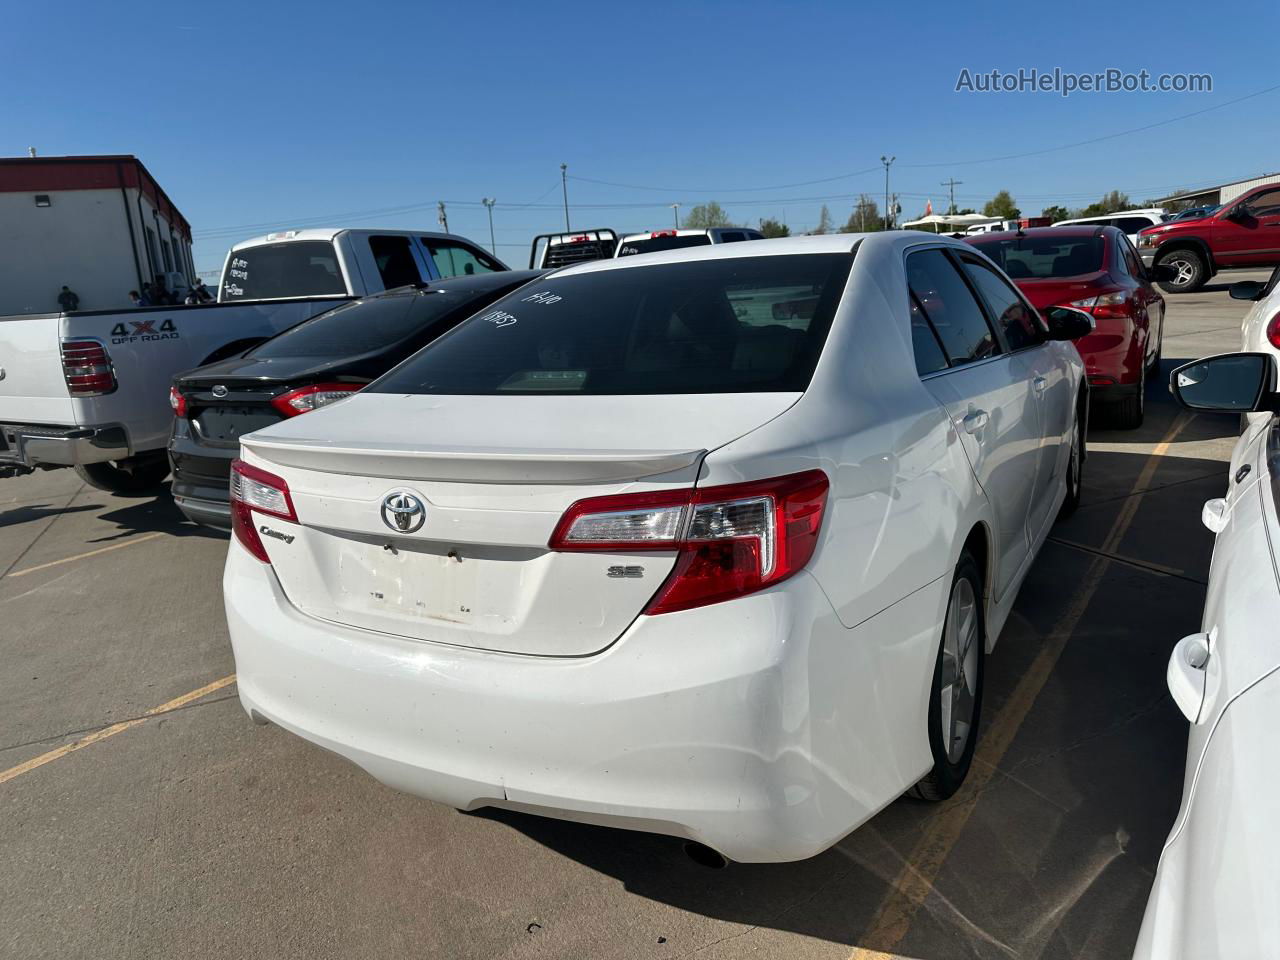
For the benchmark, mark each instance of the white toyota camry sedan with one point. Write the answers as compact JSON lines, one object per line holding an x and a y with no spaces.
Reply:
{"x":710,"y":543}
{"x":1217,"y":890}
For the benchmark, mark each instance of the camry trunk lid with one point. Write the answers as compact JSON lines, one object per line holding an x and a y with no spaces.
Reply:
{"x":477,"y":572}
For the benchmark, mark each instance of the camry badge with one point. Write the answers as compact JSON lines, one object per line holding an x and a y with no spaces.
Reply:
{"x":219,"y":391}
{"x":403,"y":512}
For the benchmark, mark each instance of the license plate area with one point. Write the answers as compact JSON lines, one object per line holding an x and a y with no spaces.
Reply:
{"x":227,"y":424}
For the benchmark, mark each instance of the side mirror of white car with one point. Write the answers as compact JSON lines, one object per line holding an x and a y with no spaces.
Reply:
{"x":1228,"y":383}
{"x":1186,"y":674}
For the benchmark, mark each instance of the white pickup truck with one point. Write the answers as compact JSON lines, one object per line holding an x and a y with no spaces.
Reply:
{"x":91,"y":390}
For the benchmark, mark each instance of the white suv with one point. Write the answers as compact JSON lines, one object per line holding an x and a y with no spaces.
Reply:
{"x":1129,"y":221}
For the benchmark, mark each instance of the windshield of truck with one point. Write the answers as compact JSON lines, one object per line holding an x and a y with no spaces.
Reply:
{"x":302,"y":268}
{"x":738,"y":325}
{"x":663,"y":242}
{"x":1043,"y":257}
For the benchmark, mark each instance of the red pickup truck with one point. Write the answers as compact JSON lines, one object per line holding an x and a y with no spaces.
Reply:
{"x":1242,"y":233}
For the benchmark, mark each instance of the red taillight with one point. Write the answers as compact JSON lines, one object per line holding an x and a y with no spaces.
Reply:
{"x":306,"y":399}
{"x":178,"y":402}
{"x":1105,"y":306}
{"x":663,"y":233}
{"x":730,"y":540}
{"x":87,"y":368}
{"x":1273,"y":331}
{"x":253,"y":489}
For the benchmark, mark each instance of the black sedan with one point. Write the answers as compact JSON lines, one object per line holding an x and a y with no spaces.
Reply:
{"x":318,"y":362}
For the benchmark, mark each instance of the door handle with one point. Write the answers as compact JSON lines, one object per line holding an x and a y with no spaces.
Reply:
{"x":975,"y":421}
{"x":1039,"y":383}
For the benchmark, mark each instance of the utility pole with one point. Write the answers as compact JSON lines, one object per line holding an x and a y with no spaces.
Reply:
{"x":489,"y":202}
{"x":441,"y":216}
{"x":564,"y":186}
{"x":675,"y":209}
{"x":951,"y":186}
{"x":888,"y":217}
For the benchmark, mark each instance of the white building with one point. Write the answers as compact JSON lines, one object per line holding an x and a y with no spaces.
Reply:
{"x":1221,"y":194}
{"x":100,"y":225}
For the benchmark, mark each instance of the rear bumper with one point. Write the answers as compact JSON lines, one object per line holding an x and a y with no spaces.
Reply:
{"x":754,"y":726}
{"x":30,"y":445}
{"x":200,"y":478}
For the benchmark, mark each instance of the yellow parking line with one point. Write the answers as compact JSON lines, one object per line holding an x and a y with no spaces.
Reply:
{"x":914,"y":882}
{"x":99,"y":735}
{"x":92,"y":553}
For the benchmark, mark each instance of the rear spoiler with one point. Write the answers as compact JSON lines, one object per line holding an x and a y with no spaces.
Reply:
{"x":572,"y":246}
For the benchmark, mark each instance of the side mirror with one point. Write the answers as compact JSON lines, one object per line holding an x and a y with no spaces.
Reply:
{"x":1230,"y":383}
{"x":1247,"y":290}
{"x":1238,"y":213}
{"x":1163,"y":272}
{"x":1067,"y":323}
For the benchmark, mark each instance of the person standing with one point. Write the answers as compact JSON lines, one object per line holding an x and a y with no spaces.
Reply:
{"x":148,"y":299}
{"x":67,"y":300}
{"x":202,"y":292}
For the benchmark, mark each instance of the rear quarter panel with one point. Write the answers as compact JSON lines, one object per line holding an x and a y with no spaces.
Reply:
{"x":32,"y":389}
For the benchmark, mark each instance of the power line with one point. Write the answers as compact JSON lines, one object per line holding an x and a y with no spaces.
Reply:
{"x":776,"y":186}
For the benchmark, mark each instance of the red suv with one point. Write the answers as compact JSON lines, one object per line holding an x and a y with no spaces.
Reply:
{"x":1242,"y":233}
{"x":1094,"y":269}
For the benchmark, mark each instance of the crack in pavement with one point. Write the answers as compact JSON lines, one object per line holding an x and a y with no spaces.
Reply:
{"x":43,"y":530}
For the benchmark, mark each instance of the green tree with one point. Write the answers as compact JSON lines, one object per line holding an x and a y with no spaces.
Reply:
{"x":1001,"y":205}
{"x":706,"y":215}
{"x":1056,"y":213}
{"x":1113,"y":201}
{"x":824,"y":222}
{"x":772,"y":228}
{"x":865,"y":217}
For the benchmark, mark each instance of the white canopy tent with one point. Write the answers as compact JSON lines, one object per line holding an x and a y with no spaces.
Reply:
{"x":951,"y":220}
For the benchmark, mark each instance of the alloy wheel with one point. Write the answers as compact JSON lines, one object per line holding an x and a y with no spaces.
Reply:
{"x":958,"y":685}
{"x":1186,"y":271}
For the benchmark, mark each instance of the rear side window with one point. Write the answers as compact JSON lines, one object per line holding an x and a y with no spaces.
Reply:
{"x":949,"y":305}
{"x":663,"y":242}
{"x":394,"y":257}
{"x":732,"y":236}
{"x":303,"y":268}
{"x":738,"y":325}
{"x":455,"y":260}
{"x":1017,"y":321}
{"x":928,"y":348}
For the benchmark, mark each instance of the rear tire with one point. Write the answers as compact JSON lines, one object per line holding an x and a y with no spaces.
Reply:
{"x":955,"y":703}
{"x":127,"y":477}
{"x":1192,"y":271}
{"x":1129,"y":413}
{"x":1075,"y":469}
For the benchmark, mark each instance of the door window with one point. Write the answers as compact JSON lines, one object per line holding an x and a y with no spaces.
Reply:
{"x":1266,"y":204}
{"x":930,"y":357}
{"x":1132,"y":265}
{"x":394,"y":257}
{"x":1017,"y":321}
{"x":949,"y":306}
{"x":455,"y":260}
{"x":732,"y":236}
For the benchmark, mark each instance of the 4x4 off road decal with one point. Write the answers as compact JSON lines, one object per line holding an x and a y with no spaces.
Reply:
{"x":144,"y":331}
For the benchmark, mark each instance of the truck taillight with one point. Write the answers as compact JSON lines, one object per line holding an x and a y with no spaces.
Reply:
{"x":178,"y":402}
{"x":313,"y":397}
{"x":1273,"y":331}
{"x":729,"y":540}
{"x":256,"y":490}
{"x":87,"y":368}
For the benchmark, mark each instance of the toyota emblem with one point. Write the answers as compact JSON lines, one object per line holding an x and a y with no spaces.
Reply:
{"x":403,"y":512}
{"x":219,"y":391}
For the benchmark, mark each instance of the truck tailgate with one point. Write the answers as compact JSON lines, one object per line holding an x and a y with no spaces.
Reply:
{"x":32,"y":388}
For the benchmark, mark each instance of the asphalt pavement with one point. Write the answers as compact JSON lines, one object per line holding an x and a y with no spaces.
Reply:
{"x":142,"y":814}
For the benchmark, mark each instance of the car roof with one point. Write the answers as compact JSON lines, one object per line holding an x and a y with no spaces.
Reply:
{"x":328,"y":234}
{"x":825,"y":243}
{"x":1144,"y":212}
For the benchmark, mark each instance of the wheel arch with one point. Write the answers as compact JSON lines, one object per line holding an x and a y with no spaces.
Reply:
{"x":1196,"y":244}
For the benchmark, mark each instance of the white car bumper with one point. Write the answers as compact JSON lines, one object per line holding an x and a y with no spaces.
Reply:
{"x":761,"y":727}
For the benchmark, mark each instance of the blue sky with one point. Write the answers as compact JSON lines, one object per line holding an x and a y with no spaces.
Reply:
{"x":257,"y":116}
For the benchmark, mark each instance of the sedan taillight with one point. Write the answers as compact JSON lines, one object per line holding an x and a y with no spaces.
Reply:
{"x":1106,"y":305}
{"x":313,"y":397}
{"x":254,"y":489}
{"x":1273,"y":331}
{"x":87,"y":368}
{"x":178,"y":402}
{"x":729,"y":540}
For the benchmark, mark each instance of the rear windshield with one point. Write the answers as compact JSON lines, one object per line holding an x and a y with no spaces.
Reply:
{"x":303,"y":268}
{"x":1042,"y":257}
{"x":654,"y":244}
{"x":368,"y":325}
{"x":738,"y":325}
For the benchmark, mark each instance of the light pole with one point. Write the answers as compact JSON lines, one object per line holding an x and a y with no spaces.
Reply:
{"x":489,"y":202}
{"x":675,"y":209}
{"x":441,"y":216}
{"x":888,"y":217}
{"x":564,"y":186}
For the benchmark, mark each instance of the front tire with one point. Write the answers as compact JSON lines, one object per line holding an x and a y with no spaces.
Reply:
{"x":128,"y":477}
{"x":955,"y":703}
{"x":1192,"y":271}
{"x":1075,"y":469}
